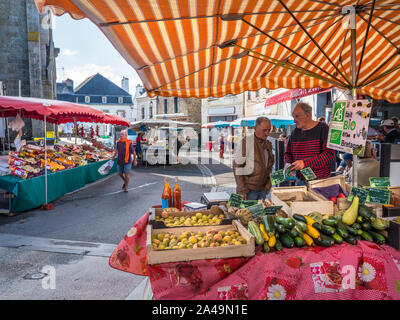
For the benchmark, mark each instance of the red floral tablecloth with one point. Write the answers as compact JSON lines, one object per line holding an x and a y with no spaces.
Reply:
{"x":347,"y":272}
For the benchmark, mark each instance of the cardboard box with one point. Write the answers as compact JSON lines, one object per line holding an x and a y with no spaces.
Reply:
{"x":342,"y":203}
{"x":176,"y":255}
{"x":161,"y":225}
{"x":302,"y":201}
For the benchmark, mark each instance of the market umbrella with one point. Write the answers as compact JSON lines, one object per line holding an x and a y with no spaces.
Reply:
{"x":216,"y":124}
{"x":157,"y":123}
{"x":213,"y":48}
{"x":113,"y":119}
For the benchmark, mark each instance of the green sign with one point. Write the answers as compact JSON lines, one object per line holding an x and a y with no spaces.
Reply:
{"x":256,"y":209}
{"x":377,"y":182}
{"x":272,"y":209}
{"x":361,"y":193}
{"x":277,"y":177}
{"x":248,"y":203}
{"x":308,"y":174}
{"x":381,"y":196}
{"x":235,"y":200}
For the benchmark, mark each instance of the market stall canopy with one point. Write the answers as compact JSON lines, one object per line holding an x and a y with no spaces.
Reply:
{"x":213,"y":48}
{"x":161,"y":123}
{"x":114,"y":119}
{"x":216,"y":124}
{"x":276,"y":120}
{"x":56,"y":111}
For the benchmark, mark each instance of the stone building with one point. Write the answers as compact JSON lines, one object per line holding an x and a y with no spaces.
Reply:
{"x":27,"y":59}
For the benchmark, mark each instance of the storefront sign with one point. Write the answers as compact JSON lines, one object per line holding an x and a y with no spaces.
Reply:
{"x":377,"y":182}
{"x":349,"y":126}
{"x":292,"y":94}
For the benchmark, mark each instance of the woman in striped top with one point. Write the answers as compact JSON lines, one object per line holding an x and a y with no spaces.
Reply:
{"x":306,"y":147}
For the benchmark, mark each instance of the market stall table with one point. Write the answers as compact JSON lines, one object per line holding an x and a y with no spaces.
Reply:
{"x":28,"y":193}
{"x":352,"y":272}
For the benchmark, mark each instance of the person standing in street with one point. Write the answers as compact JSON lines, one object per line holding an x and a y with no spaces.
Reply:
{"x":306,"y":147}
{"x":221,"y":146}
{"x":252,"y":166}
{"x":124,"y":152}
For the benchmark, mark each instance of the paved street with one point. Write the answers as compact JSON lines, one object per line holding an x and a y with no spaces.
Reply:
{"x":78,"y":236}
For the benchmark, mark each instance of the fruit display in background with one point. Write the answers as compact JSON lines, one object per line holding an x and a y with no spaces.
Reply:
{"x":199,"y":219}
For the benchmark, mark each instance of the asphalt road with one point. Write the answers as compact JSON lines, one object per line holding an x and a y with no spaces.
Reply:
{"x":74,"y":241}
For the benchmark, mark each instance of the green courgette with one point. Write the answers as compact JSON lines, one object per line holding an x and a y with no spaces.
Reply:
{"x":280,"y":228}
{"x":366,"y":212}
{"x":287,"y":240}
{"x":254,"y":229}
{"x":353,"y":231}
{"x":360,"y":219}
{"x":378,"y":238}
{"x":300,"y":218}
{"x":266,"y":247}
{"x":323,"y":242}
{"x":299,"y":241}
{"x":278,"y":245}
{"x":294,"y":233}
{"x":301,"y":226}
{"x":328,"y":230}
{"x":330,"y":222}
{"x":268,"y":222}
{"x":317,"y":226}
{"x":366,"y":236}
{"x":351,"y":239}
{"x":342,"y":231}
{"x":366,"y":226}
{"x":288,"y":223}
{"x":356,"y":226}
{"x":337,"y":238}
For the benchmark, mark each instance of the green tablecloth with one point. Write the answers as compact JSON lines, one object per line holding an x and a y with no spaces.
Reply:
{"x":30,"y":193}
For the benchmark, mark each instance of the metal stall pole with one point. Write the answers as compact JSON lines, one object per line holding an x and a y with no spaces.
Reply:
{"x":45,"y":159}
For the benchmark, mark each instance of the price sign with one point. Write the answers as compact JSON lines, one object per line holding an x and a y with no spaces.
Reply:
{"x":277,"y":177}
{"x":248,"y":203}
{"x":50,"y":134}
{"x":235,"y":200}
{"x":272,"y":209}
{"x":381,"y":196}
{"x":308,"y":174}
{"x":361,"y":193}
{"x":377,"y":182}
{"x":256,"y":209}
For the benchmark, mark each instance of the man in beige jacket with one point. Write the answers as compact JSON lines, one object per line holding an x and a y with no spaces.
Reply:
{"x":253,"y":162}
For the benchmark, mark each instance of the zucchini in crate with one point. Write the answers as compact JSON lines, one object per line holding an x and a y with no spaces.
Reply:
{"x":269,"y":225}
{"x":256,"y":232}
{"x":288,"y":223}
{"x":287,"y":240}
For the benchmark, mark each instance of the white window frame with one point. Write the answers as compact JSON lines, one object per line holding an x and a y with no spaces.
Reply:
{"x":120,"y":100}
{"x":104,"y":99}
{"x":87,"y":99}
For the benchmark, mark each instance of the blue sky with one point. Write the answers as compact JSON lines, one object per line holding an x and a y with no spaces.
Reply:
{"x":84,"y":51}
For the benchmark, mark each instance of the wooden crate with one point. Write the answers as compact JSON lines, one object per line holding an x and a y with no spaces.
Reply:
{"x":175,"y":255}
{"x":161,"y":225}
{"x":395,"y":196}
{"x":302,"y":201}
{"x":342,"y":203}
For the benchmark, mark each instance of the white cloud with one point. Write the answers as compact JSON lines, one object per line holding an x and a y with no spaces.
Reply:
{"x":68,"y":52}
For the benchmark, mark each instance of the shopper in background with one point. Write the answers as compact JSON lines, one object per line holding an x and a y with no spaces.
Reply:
{"x":396,"y":123}
{"x":139,"y":140}
{"x":391,"y":134}
{"x":306,"y":147}
{"x":221,"y":146}
{"x":124,"y":152}
{"x":252,"y":167}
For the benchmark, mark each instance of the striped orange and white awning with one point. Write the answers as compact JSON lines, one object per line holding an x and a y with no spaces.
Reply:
{"x":202,"y":48}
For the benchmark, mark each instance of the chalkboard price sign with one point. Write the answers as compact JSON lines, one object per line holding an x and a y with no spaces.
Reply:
{"x":308,"y":174}
{"x":235,"y":200}
{"x":256,"y":209}
{"x":376,"y":182}
{"x":361,"y":193}
{"x":277,"y":177}
{"x":381,"y":196}
{"x":272,"y":209}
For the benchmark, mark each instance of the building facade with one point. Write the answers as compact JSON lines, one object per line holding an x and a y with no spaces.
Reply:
{"x":167,"y":108}
{"x":27,"y":60}
{"x":100,"y":93}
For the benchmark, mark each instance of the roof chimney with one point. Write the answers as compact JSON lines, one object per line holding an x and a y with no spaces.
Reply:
{"x":125,"y":84}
